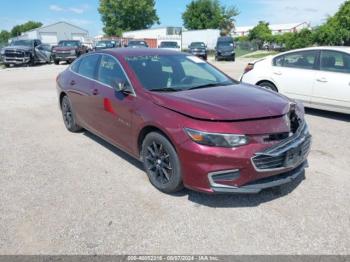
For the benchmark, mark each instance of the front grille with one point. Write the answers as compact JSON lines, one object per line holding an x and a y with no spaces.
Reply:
{"x":9,"y":53}
{"x":269,"y":162}
{"x":289,"y":153}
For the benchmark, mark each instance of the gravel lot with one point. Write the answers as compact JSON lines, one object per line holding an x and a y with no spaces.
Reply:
{"x":64,"y":193}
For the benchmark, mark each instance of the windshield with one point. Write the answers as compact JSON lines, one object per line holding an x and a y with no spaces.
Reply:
{"x":105,"y":44}
{"x":137,"y":43}
{"x":68,"y":43}
{"x":168,"y":44}
{"x":225,"y":44}
{"x":176,"y":72}
{"x":197,"y":45}
{"x":22,"y":42}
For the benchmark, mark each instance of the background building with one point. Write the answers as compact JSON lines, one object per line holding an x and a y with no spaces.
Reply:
{"x":275,"y":28}
{"x":52,"y":34}
{"x":160,"y":33}
{"x":208,"y":36}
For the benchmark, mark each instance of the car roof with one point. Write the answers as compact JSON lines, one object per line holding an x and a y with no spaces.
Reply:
{"x":334,"y":48}
{"x":123,"y":52}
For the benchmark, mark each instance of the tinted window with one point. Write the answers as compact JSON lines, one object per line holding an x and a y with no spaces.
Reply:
{"x":22,"y":42}
{"x":88,"y":65}
{"x":303,"y":60}
{"x":168,"y":44}
{"x":110,"y":72}
{"x":278,"y":61}
{"x":75,"y":66}
{"x":335,"y":62}
{"x":69,"y":43}
{"x":197,"y":45}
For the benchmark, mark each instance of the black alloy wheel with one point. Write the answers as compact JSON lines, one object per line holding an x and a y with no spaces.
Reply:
{"x":161,"y":163}
{"x":68,"y":116}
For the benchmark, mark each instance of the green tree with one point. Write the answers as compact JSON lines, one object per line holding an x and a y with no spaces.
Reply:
{"x":19,"y":29}
{"x":4,"y":36}
{"x":336,"y":31}
{"x":260,"y":33}
{"x":209,"y":14}
{"x":124,"y":15}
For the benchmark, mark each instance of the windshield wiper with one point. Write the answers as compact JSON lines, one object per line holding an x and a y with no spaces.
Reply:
{"x":210,"y":85}
{"x":164,"y":89}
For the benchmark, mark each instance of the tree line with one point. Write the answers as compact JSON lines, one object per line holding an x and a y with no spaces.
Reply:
{"x":128,"y":15}
{"x":17,"y":30}
{"x":335,"y":31}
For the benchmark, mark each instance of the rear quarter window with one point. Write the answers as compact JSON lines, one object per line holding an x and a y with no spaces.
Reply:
{"x":300,"y":60}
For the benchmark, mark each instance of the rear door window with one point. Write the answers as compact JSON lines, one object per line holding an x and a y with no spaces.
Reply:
{"x":301,"y":60}
{"x":88,"y":66}
{"x":333,"y":61}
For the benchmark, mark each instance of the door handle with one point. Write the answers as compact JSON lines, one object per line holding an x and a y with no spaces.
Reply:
{"x":322,"y":80}
{"x":72,"y":83}
{"x":95,"y":92}
{"x":278,"y":73}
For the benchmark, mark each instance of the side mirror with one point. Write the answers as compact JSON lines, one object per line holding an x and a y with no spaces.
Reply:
{"x":123,"y":87}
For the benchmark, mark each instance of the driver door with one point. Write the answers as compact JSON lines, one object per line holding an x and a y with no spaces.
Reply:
{"x":113,"y":110}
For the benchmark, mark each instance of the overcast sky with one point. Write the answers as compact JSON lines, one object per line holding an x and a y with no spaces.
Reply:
{"x":84,"y":12}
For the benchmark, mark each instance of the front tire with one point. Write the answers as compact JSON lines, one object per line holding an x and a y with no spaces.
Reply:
{"x":68,"y":116}
{"x":161,"y":163}
{"x":268,"y":85}
{"x":56,"y":61}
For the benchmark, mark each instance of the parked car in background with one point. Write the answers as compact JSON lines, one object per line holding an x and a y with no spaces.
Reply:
{"x":104,"y":44}
{"x":26,"y":52}
{"x":89,"y":47}
{"x":68,"y":51}
{"x":317,"y":76}
{"x":187,"y":121}
{"x":170,"y":45}
{"x":137,"y":44}
{"x":225,"y":49}
{"x":198,"y":49}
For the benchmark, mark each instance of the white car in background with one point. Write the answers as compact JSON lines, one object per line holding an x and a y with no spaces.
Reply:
{"x":317,"y":76}
{"x":170,"y":45}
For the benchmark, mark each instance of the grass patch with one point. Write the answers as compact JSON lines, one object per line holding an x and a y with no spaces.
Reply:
{"x":242,"y":52}
{"x":260,"y":54}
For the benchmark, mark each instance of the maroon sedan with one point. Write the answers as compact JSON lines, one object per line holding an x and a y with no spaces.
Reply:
{"x":190,"y":124}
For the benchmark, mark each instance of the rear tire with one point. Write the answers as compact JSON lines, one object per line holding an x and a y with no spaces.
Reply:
{"x":68,"y":116}
{"x":161,"y":163}
{"x":57,"y":62}
{"x":268,"y":85}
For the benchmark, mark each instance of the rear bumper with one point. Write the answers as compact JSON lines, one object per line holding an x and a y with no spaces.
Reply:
{"x":225,"y":56}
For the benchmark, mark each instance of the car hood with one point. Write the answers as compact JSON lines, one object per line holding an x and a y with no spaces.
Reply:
{"x":18,"y":47}
{"x":225,"y":103}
